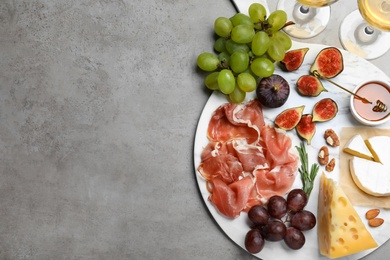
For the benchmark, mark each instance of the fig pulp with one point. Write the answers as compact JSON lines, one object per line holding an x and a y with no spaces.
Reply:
{"x":329,"y":62}
{"x":324,"y":110}
{"x":309,"y":85}
{"x":273,"y":91}
{"x":306,"y":128}
{"x":293,"y":59}
{"x":289,"y":118}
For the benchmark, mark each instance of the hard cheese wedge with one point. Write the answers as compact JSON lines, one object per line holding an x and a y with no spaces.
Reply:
{"x":373,"y":177}
{"x":357,"y":147}
{"x":341,"y":231}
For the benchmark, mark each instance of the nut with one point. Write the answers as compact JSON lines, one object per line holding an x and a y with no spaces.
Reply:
{"x":330,"y":166}
{"x":375,"y":222}
{"x":323,"y":155}
{"x":372,"y":213}
{"x":331,"y":138}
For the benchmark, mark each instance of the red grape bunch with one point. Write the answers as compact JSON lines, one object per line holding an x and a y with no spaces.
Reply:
{"x":281,"y":219}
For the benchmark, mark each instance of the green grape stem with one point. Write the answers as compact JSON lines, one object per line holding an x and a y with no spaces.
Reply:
{"x":223,"y":64}
{"x":288,"y":24}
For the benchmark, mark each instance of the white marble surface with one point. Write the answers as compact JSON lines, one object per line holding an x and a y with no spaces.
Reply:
{"x":99,"y":103}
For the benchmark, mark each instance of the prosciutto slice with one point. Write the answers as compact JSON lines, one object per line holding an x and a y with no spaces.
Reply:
{"x":231,"y":199}
{"x":232,"y":121}
{"x":246,"y":161}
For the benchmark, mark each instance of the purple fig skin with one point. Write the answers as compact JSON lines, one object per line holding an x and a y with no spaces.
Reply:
{"x":293,"y":59}
{"x":273,"y":91}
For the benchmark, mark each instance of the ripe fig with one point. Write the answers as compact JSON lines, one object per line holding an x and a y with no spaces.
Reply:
{"x":273,"y":91}
{"x":328,"y":63}
{"x":293,"y":59}
{"x":289,"y":118}
{"x":306,"y":128}
{"x":325,"y":110}
{"x":309,"y":85}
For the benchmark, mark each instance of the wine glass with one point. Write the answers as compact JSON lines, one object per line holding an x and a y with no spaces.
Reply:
{"x":310,"y":16}
{"x":366,"y":31}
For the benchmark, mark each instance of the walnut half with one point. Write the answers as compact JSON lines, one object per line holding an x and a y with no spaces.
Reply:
{"x":323,"y":155}
{"x":331,"y":138}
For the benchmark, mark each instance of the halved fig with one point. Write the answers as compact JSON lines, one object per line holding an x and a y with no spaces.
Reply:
{"x":293,"y":59}
{"x":306,"y":128}
{"x":325,"y":110}
{"x":273,"y":91}
{"x":289,"y":118}
{"x":328,"y":63}
{"x":309,"y":85}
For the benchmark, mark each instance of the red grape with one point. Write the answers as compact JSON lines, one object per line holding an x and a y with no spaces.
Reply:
{"x":296,"y":200}
{"x":294,"y":238}
{"x":303,"y":220}
{"x":275,"y":230}
{"x":277,"y":206}
{"x":258,"y":215}
{"x":254,"y":241}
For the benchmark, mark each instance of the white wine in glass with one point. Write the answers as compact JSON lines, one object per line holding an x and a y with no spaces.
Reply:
{"x":366,"y":32}
{"x":310,"y":16}
{"x":376,"y":13}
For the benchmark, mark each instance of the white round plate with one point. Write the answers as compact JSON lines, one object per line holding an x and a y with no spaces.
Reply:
{"x":356,"y":70}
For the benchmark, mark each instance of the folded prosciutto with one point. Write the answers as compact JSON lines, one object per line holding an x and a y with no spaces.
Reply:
{"x":246,"y":161}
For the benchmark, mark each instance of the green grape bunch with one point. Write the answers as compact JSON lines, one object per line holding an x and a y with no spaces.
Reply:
{"x":246,"y":49}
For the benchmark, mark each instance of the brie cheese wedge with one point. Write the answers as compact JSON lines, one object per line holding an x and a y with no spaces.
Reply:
{"x":357,"y":147}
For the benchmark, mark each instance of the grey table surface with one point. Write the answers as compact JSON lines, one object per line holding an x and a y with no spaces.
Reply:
{"x":99,"y":102}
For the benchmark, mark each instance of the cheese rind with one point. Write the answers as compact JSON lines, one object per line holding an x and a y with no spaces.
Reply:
{"x":356,"y":146}
{"x":341,"y":231}
{"x":379,"y":146}
{"x":371,"y":177}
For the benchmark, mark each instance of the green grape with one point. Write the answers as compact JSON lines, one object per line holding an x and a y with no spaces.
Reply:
{"x":208,"y":61}
{"x":257,"y":12}
{"x":223,"y":26}
{"x":237,"y":96}
{"x":276,"y":50}
{"x":260,"y":43}
{"x":262,"y":67}
{"x":246,"y":82}
{"x":232,"y":46}
{"x":219,"y":44}
{"x":242,"y":33}
{"x":241,"y":18}
{"x":224,"y":58}
{"x":211,"y":81}
{"x":277,"y":20}
{"x":226,"y":81}
{"x":239,"y":61}
{"x":283,"y":38}
{"x":249,"y":71}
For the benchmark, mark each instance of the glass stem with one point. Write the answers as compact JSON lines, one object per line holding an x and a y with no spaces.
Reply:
{"x":369,"y":30}
{"x":365,"y":34}
{"x":304,"y":9}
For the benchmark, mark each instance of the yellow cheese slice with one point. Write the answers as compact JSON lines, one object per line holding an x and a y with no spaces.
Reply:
{"x":341,"y":231}
{"x":356,"y":146}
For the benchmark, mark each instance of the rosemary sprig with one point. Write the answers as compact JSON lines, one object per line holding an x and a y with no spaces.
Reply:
{"x":306,"y":175}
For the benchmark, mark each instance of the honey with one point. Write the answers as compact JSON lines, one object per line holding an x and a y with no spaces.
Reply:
{"x":372,"y":91}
